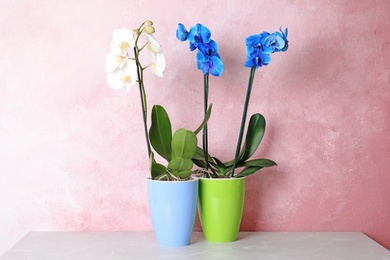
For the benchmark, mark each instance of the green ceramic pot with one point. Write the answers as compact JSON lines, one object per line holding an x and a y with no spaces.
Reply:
{"x":221,"y":203}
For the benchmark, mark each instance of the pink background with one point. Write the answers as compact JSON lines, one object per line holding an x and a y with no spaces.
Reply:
{"x":72,"y":152}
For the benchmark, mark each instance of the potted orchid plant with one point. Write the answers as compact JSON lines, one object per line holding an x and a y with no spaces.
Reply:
{"x":221,"y":218}
{"x":171,"y":189}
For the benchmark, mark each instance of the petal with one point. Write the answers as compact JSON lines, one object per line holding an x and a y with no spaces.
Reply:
{"x":199,"y":33}
{"x":111,"y":64}
{"x":217,"y":67}
{"x":123,"y":39}
{"x":250,"y":49}
{"x":200,"y":57}
{"x":205,"y":33}
{"x":115,"y":49}
{"x":253,"y":40}
{"x":249,"y":63}
{"x":265,"y":59}
{"x":268,"y":49}
{"x":192,"y":33}
{"x":161,"y":60}
{"x":263,"y":35}
{"x":114,"y":79}
{"x":123,"y":77}
{"x":192,"y":46}
{"x":157,"y":71}
{"x":210,"y":48}
{"x":158,"y":58}
{"x":130,"y":69}
{"x":284,"y":33}
{"x":153,"y":45}
{"x":114,"y":61}
{"x":204,"y":66}
{"x":124,"y":35}
{"x":158,"y":65}
{"x":181,"y":33}
{"x":275,"y":39}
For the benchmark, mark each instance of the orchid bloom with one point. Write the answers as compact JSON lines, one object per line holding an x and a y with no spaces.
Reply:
{"x":121,"y":68}
{"x":260,"y":46}
{"x":181,"y":33}
{"x":114,"y":61}
{"x":156,"y":55}
{"x":158,"y":65}
{"x":198,"y":35}
{"x":207,"y":58}
{"x":122,"y":41}
{"x":209,"y":64}
{"x":153,"y":45}
{"x":123,"y":77}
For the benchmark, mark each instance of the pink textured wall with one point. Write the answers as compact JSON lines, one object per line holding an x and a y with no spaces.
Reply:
{"x":72,"y":153}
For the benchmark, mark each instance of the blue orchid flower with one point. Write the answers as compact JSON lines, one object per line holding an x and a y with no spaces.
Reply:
{"x":209,"y":64}
{"x":181,"y":33}
{"x":209,"y":49}
{"x":273,"y":43}
{"x":199,"y":34}
{"x":284,"y":36}
{"x":257,"y":58}
{"x":276,"y":42}
{"x":260,"y":46}
{"x":256,"y":54}
{"x":256,"y":43}
{"x":207,"y":58}
{"x":256,"y":40}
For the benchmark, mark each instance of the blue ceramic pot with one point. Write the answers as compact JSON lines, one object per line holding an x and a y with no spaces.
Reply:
{"x":172,"y":206}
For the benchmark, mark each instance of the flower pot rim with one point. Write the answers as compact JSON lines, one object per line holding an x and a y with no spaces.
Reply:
{"x":222,"y":179}
{"x":194,"y":179}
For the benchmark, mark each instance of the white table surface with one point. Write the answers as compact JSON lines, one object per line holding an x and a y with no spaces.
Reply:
{"x":250,"y":245}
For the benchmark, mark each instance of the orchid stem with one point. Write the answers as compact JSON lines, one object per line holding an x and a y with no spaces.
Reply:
{"x":205,"y":133}
{"x":143,"y":100}
{"x":248,"y":94}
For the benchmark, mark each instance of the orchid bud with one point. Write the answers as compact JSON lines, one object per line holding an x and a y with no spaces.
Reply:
{"x":149,"y":29}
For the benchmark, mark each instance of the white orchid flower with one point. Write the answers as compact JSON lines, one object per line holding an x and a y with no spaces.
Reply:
{"x":123,"y":77}
{"x":156,"y":55}
{"x":158,"y":65}
{"x":153,"y":45}
{"x":123,"y":41}
{"x":114,"y":61}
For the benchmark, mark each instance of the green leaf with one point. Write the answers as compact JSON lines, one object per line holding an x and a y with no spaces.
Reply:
{"x":185,"y":174}
{"x":248,"y":171}
{"x":221,"y":167}
{"x":156,"y":169}
{"x":199,"y":160}
{"x":206,"y":118}
{"x":199,"y":163}
{"x":181,"y":167}
{"x":199,"y":155}
{"x":254,"y":135}
{"x":160,"y":132}
{"x":229,"y":163}
{"x":259,"y":162}
{"x":184,"y":144}
{"x":219,"y":163}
